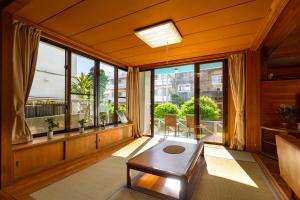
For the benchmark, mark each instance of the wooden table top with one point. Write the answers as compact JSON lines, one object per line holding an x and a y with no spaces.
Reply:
{"x":176,"y":164}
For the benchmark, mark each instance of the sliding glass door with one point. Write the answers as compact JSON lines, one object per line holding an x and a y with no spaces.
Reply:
{"x":211,"y":96}
{"x":175,"y":99}
{"x":145,"y":102}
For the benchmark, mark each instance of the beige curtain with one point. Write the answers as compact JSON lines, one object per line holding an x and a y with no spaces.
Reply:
{"x":25,"y":49}
{"x":237,"y":84}
{"x":133,"y":100}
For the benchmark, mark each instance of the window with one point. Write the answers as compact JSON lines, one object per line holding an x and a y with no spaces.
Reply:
{"x":51,"y":97}
{"x":47,"y":94}
{"x":216,"y":79}
{"x":82,"y":90}
{"x":122,"y":82}
{"x":106,"y":92}
{"x":184,"y":88}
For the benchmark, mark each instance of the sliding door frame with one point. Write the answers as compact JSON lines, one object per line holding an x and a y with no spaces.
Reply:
{"x":197,"y":95}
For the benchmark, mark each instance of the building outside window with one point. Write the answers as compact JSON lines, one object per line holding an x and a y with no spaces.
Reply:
{"x":47,"y":94}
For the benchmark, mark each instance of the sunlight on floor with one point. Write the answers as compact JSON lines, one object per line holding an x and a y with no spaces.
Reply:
{"x":229,"y":169}
{"x":149,"y":144}
{"x":131,"y":147}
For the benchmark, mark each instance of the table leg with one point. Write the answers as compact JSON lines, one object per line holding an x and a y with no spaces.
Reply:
{"x":128,"y":177}
{"x":183,"y":194}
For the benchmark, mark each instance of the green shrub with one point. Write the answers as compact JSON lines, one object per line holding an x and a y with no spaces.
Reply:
{"x":208,"y":108}
{"x":166,"y":108}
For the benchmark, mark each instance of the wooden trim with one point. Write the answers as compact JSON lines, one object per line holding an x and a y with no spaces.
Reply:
{"x":64,"y":137}
{"x":287,"y":22}
{"x":276,"y":9}
{"x":199,"y":59}
{"x":152,"y":89}
{"x":68,"y":88}
{"x":225,"y":100}
{"x":7,"y":113}
{"x":116,"y":95}
{"x":276,"y":187}
{"x":58,"y":38}
{"x":197,"y":96}
{"x":252,"y":101}
{"x":12,"y":6}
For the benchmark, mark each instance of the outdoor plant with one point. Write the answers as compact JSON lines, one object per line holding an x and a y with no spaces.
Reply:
{"x":82,"y":122}
{"x":51,"y":124}
{"x":208,"y":108}
{"x":166,"y":108}
{"x":102,"y":116}
{"x":286,"y":112}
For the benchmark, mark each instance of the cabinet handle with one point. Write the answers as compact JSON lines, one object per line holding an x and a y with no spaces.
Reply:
{"x":17,"y":163}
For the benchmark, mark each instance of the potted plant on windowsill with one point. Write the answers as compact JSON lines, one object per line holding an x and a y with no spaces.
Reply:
{"x":286,"y":112}
{"x":82,"y":122}
{"x":102,"y":116}
{"x":51,"y":126}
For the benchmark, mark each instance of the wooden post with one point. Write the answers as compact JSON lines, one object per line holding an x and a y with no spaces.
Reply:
{"x":7,"y":113}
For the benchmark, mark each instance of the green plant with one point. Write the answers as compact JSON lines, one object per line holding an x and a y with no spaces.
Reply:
{"x":82,"y":122}
{"x":287,"y":111}
{"x":176,"y":99}
{"x":51,"y":124}
{"x":208,"y":108}
{"x":166,"y":108}
{"x":102,"y":116}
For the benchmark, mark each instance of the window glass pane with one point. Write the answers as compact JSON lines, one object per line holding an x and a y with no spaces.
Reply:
{"x":106,"y":93}
{"x":122,"y":81}
{"x":47,"y":94}
{"x":82,"y":87}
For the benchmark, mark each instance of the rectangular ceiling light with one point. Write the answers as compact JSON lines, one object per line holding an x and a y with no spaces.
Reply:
{"x":161,"y":34}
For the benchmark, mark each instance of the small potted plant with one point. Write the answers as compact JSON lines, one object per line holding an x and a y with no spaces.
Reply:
{"x":51,"y":126}
{"x":102,"y":116}
{"x":286,"y":112}
{"x":82,"y":122}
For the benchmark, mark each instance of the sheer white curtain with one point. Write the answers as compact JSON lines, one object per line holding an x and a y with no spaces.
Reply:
{"x":237,"y":83}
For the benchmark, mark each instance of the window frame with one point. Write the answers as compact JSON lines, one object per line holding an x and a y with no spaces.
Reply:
{"x":68,"y":89}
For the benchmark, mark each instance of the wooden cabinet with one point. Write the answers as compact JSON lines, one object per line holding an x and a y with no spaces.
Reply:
{"x":268,"y":142}
{"x":108,"y":138}
{"x":41,"y":153}
{"x":29,"y":159}
{"x":80,"y":146}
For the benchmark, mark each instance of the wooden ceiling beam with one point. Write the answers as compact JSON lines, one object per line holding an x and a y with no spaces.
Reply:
{"x":185,"y":61}
{"x":287,"y":22}
{"x":274,"y":12}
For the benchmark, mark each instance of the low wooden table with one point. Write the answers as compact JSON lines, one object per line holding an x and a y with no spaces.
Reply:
{"x":182,"y":167}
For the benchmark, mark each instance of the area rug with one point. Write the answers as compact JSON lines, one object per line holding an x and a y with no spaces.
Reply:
{"x":229,"y":175}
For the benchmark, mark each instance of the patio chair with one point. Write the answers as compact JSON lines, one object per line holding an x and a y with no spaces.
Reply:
{"x":171,"y":121}
{"x":190,"y":123}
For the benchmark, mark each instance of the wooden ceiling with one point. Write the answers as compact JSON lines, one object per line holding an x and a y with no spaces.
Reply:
{"x":207,"y":27}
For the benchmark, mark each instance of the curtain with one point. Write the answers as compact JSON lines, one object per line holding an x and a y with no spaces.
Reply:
{"x":237,"y":84}
{"x":133,"y":100}
{"x":25,"y":49}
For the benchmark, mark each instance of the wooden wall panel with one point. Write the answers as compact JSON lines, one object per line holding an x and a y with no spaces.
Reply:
{"x":37,"y":157}
{"x":80,"y":146}
{"x":274,"y":93}
{"x":6,"y":98}
{"x":253,"y":77}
